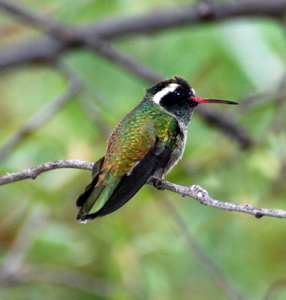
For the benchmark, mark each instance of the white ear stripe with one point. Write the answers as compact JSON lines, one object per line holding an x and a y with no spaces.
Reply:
{"x":170,"y":88}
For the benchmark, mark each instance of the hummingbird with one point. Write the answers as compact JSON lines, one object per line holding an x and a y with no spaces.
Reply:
{"x":146,"y":144}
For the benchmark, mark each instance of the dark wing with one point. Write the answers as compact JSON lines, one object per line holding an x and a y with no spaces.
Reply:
{"x":156,"y":158}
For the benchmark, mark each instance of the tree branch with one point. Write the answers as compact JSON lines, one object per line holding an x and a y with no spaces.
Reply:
{"x":194,"y":191}
{"x":95,"y":42}
{"x":70,"y":278}
{"x":46,"y":25}
{"x":210,"y":267}
{"x":183,"y":15}
{"x":34,"y":172}
{"x":46,"y":113}
{"x":201,"y":195}
{"x":15,"y":270}
{"x":67,"y":38}
{"x":227,"y":125}
{"x":12,"y":263}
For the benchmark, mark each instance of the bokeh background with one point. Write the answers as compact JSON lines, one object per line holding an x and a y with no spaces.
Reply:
{"x":152,"y":247}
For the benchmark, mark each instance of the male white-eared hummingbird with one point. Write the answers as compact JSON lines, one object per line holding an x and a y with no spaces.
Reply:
{"x":147,"y":143}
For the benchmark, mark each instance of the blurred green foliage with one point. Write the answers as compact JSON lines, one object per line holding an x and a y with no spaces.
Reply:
{"x":139,"y":252}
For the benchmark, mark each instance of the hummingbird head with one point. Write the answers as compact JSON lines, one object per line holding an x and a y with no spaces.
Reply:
{"x":178,"y":98}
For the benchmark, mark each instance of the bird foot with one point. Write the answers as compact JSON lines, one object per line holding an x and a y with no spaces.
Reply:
{"x":157,"y":182}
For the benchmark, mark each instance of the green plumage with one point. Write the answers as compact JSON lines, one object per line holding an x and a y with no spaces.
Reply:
{"x":147,"y":143}
{"x":129,"y":142}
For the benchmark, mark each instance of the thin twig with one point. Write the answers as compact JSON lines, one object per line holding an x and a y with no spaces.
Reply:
{"x":43,"y":49}
{"x":73,"y":279}
{"x":46,"y":25}
{"x":58,"y":30}
{"x":201,"y":195}
{"x":15,"y":269}
{"x":183,"y":15}
{"x":44,"y":115}
{"x":201,"y":258}
{"x":223,"y":122}
{"x":275,"y":289}
{"x":126,"y":61}
{"x":12,"y":265}
{"x":33,"y":172}
{"x":142,"y":71}
{"x":227,"y":125}
{"x":193,"y":191}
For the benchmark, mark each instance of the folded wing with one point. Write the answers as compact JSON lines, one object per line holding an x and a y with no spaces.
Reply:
{"x":128,"y":185}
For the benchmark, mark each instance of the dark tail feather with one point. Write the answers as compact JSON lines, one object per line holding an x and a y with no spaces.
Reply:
{"x":85,"y":195}
{"x":88,"y":203}
{"x":88,"y":190}
{"x":129,"y":185}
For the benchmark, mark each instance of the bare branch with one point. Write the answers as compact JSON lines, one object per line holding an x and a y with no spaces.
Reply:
{"x":13,"y":262}
{"x":95,"y":43}
{"x":126,"y":61}
{"x":193,"y":191}
{"x":275,"y":289}
{"x":228,"y":126}
{"x":67,"y":39}
{"x":45,"y":114}
{"x":47,"y":25}
{"x":201,"y":195}
{"x":71,"y":278}
{"x":62,"y":32}
{"x":33,"y":172}
{"x":201,"y":257}
{"x":186,"y":15}
{"x":62,"y":39}
{"x":14,"y":268}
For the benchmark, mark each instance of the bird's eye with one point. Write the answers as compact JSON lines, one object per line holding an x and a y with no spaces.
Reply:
{"x":178,"y":93}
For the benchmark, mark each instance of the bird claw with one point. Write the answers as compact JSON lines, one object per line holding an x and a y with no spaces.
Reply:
{"x":157,"y":183}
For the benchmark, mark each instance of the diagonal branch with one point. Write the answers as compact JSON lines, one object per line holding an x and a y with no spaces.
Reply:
{"x":45,"y":114}
{"x":227,"y":126}
{"x":194,"y":191}
{"x":105,"y":49}
{"x":210,"y":267}
{"x":224,"y":123}
{"x":47,"y":25}
{"x":43,"y":48}
{"x":12,"y":264}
